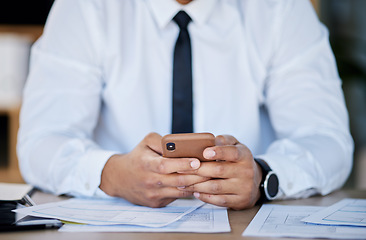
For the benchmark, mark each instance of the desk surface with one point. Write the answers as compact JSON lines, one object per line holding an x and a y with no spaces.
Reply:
{"x":239,"y":220}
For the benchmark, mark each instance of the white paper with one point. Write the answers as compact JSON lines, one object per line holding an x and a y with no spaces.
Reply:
{"x":113,"y":211}
{"x":13,"y":191}
{"x":29,"y":220}
{"x":285,"y":221}
{"x":348,"y":212}
{"x":207,"y":219}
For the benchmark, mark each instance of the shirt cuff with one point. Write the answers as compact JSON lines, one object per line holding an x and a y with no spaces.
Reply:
{"x":93,"y":164}
{"x":292,"y":182}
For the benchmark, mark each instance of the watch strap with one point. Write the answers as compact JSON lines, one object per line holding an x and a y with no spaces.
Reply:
{"x":264,"y":166}
{"x":267,"y":176}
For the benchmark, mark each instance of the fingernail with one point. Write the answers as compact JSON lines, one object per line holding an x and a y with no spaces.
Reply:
{"x":209,"y":153}
{"x":195,"y":164}
{"x":196,"y":195}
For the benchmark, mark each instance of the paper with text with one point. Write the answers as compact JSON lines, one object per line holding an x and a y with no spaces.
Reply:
{"x":285,"y":221}
{"x":348,"y":212}
{"x":113,"y":211}
{"x":207,"y":219}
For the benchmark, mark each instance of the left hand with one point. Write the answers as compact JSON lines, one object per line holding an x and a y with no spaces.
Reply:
{"x":235,"y":178}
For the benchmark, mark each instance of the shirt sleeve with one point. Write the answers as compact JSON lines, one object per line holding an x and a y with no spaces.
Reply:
{"x":61,"y":105}
{"x":303,"y":95}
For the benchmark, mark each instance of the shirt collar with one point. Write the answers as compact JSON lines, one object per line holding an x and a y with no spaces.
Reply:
{"x":164,"y":10}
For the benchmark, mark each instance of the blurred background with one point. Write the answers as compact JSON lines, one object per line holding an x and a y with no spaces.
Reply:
{"x":21,"y":24}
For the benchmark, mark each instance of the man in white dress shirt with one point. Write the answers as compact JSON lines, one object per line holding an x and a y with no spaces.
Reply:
{"x":98,"y":100}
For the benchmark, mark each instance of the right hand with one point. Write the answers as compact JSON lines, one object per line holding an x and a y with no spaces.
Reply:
{"x":146,"y":178}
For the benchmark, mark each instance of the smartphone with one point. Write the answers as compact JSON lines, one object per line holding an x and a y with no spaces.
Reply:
{"x":187,"y":145}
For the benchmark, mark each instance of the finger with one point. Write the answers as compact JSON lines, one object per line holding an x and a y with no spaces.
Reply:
{"x":218,"y":170}
{"x":153,"y":141}
{"x":172,"y":192}
{"x":161,"y":197}
{"x":216,"y":186}
{"x":166,"y":193}
{"x":180,"y":180}
{"x":232,"y":153}
{"x":222,"y":140}
{"x":235,"y":202}
{"x":163,"y":165}
{"x":218,"y":200}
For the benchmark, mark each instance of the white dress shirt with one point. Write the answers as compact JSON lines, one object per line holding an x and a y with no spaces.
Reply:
{"x":263,"y":71}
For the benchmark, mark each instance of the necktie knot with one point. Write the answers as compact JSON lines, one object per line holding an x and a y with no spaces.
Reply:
{"x":182,"y":19}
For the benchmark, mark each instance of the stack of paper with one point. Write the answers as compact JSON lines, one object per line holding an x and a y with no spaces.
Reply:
{"x":13,"y":191}
{"x":11,"y":195}
{"x":343,"y":220}
{"x":183,"y":215}
{"x":348,"y":212}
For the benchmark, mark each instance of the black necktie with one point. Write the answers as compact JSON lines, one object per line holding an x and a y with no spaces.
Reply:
{"x":182,"y":78}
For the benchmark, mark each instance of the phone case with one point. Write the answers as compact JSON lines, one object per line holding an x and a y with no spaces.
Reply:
{"x":187,"y":145}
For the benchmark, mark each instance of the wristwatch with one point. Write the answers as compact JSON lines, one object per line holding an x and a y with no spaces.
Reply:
{"x":269,"y":184}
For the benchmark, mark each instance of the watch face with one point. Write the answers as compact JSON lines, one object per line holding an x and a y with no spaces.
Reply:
{"x":272,"y":185}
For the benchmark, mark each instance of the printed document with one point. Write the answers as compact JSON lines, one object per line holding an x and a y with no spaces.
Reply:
{"x":113,"y":211}
{"x":285,"y":221}
{"x":207,"y":219}
{"x":348,"y":212}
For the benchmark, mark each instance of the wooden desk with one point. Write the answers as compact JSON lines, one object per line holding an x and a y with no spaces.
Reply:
{"x":239,"y":220}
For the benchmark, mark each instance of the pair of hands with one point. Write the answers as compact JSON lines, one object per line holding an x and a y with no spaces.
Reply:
{"x":146,"y":178}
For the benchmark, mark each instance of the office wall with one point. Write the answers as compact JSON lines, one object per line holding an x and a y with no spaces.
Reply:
{"x":346,"y":21}
{"x":21,"y":23}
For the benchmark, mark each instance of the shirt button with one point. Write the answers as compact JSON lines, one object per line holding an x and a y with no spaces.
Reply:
{"x":87,"y":187}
